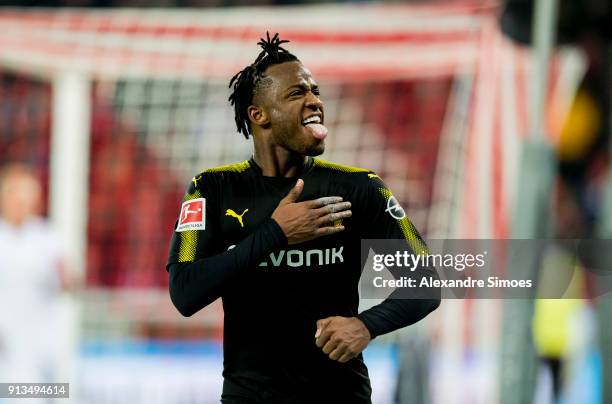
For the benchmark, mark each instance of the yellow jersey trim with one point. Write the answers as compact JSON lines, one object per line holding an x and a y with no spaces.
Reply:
{"x":339,"y":167}
{"x":235,"y":168}
{"x":408,"y":230}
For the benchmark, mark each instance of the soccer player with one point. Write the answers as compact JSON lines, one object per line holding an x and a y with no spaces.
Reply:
{"x":277,"y":237}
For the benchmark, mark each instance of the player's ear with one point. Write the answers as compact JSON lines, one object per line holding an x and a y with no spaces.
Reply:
{"x":258,"y":116}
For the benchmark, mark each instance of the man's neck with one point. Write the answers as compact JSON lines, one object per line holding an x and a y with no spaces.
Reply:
{"x":279,"y":162}
{"x":14,"y":222}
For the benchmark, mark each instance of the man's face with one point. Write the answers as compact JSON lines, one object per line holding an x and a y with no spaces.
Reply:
{"x":295,"y":111}
{"x":19,"y":197}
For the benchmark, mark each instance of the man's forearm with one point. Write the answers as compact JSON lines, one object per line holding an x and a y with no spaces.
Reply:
{"x":405,"y":306}
{"x":194,"y":285}
{"x":393,"y":314}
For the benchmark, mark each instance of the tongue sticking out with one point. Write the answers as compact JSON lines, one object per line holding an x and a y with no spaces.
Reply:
{"x":317,"y":130}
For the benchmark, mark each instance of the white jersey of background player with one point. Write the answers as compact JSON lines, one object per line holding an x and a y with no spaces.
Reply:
{"x":30,"y":282}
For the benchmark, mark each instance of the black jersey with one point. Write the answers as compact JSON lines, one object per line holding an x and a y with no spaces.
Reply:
{"x":226,"y":245}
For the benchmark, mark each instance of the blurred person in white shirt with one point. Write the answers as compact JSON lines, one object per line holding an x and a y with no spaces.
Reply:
{"x":31,"y":279}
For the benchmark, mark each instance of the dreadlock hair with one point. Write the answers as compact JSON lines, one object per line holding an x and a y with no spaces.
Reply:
{"x":251,"y":79}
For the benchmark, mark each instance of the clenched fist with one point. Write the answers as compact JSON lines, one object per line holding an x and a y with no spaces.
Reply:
{"x":342,"y":338}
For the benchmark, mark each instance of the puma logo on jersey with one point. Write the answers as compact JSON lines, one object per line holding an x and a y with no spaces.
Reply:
{"x":233,"y":214}
{"x":195,"y":180}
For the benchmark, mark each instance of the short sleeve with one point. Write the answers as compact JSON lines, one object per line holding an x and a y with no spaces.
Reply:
{"x":195,"y":226}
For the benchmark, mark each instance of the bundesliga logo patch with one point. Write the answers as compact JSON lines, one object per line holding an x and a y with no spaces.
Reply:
{"x":193,"y":215}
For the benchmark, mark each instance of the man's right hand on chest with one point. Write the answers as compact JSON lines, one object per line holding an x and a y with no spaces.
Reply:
{"x":307,"y":220}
